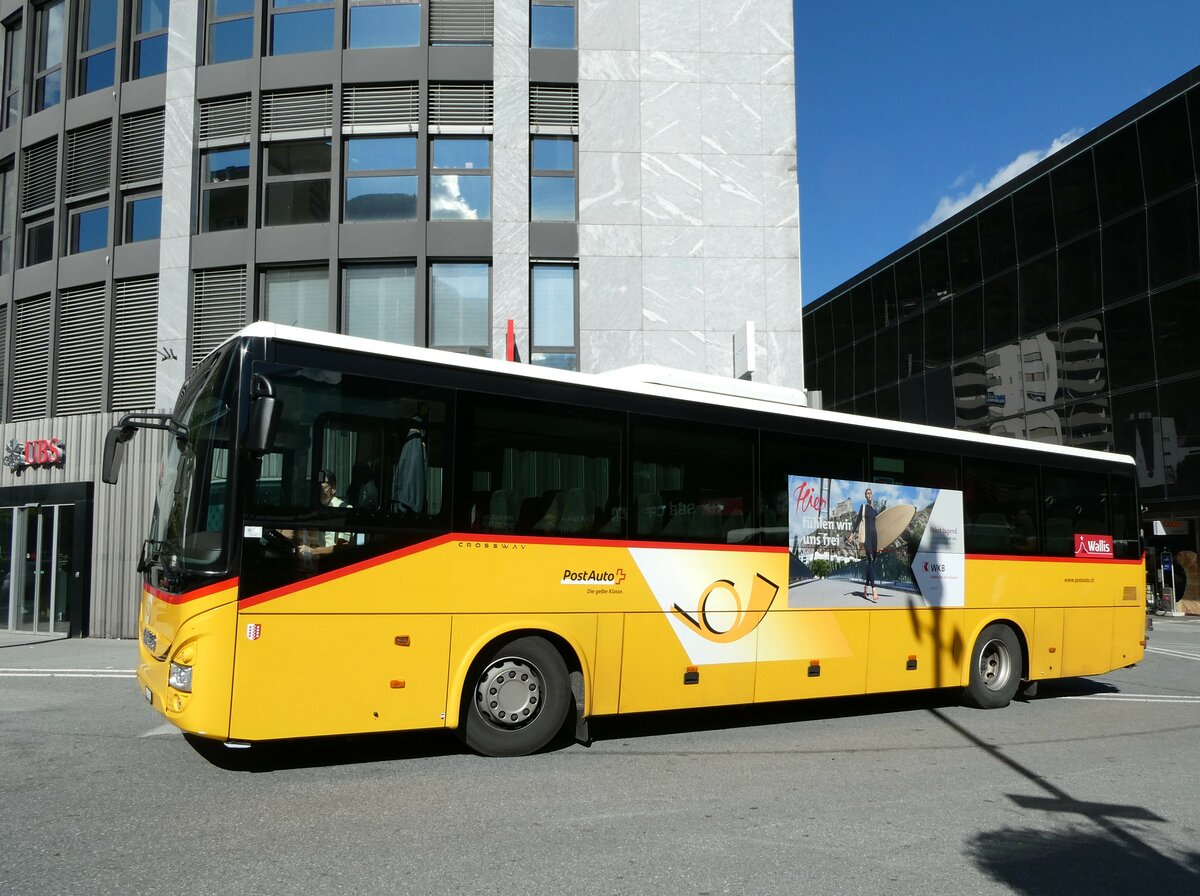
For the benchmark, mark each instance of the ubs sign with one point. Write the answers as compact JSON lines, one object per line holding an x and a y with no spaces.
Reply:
{"x":43,"y":453}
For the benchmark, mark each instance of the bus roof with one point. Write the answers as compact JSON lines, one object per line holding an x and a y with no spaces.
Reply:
{"x":664,"y":382}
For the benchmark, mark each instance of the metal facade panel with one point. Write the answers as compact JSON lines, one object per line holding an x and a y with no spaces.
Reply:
{"x":141,"y":154}
{"x":134,"y":347}
{"x":80,"y":359}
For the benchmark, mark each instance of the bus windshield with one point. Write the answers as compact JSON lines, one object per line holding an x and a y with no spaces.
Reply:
{"x":187,"y":534}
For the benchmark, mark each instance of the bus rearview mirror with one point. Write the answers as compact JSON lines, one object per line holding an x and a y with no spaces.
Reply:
{"x":264,"y":414}
{"x":114,"y":453}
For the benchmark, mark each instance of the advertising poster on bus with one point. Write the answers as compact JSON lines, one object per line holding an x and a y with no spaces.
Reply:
{"x":864,"y":544}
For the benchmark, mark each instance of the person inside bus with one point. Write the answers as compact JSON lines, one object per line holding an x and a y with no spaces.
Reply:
{"x":1022,"y":535}
{"x":409,"y":475}
{"x":321,"y":543}
{"x":870,"y":541}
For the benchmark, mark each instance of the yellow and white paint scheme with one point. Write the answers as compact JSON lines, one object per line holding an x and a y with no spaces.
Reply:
{"x":388,"y":644}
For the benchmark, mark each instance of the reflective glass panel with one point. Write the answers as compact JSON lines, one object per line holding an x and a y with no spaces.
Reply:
{"x":89,"y":230}
{"x":307,"y":157}
{"x":153,"y":15}
{"x":1074,"y":185}
{"x":150,"y":56}
{"x":224,"y":208}
{"x":381,"y":153}
{"x":1000,"y":310}
{"x":997,"y":243}
{"x":100,"y":23}
{"x":226,"y":164}
{"x":935,"y":271}
{"x":381,"y":302}
{"x":1034,"y":217}
{"x":143,"y":219}
{"x":1128,"y":329}
{"x":554,"y":153}
{"x":965,"y":267}
{"x":1165,"y":142}
{"x":97,"y":72}
{"x":552,"y":199}
{"x":1174,"y":239}
{"x":968,"y":323}
{"x":908,"y":284}
{"x":460,"y":198}
{"x":1082,"y":370}
{"x":230,"y":41}
{"x":462,"y":153}
{"x":302,"y":32}
{"x":39,"y":242}
{"x":1124,"y":258}
{"x":297,"y":202}
{"x":1176,"y":314}
{"x":1118,"y":173}
{"x":233,"y":7}
{"x":1138,"y":432}
{"x":553,"y":315}
{"x":937,"y":334}
{"x":459,"y":300}
{"x":1181,"y":425}
{"x":1039,"y":295}
{"x":1079,"y":277}
{"x":396,"y":25}
{"x":298,"y":298}
{"x":387,"y":197}
{"x":552,"y":27}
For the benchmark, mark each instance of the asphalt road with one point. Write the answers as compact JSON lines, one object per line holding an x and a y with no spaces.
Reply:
{"x":1091,"y":787}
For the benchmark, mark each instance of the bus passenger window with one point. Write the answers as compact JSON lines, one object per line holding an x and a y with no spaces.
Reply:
{"x":1072,"y":504}
{"x":1127,"y":544}
{"x":693,"y":482}
{"x":799,"y":455}
{"x":540,"y":469}
{"x":1000,"y":503}
{"x":901,"y":467}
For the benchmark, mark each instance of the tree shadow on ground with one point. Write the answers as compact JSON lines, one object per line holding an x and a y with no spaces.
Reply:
{"x":1041,"y":862}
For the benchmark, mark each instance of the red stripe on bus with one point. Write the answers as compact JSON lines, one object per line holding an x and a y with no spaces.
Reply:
{"x":206,"y":591}
{"x":465,"y":540}
{"x":1024,"y":558}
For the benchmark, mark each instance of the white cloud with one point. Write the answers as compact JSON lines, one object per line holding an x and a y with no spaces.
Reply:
{"x":948,"y":206}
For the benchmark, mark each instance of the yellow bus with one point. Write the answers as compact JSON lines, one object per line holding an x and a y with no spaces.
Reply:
{"x":352,"y":536}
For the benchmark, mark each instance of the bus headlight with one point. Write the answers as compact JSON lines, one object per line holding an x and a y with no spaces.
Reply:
{"x":180,"y":678}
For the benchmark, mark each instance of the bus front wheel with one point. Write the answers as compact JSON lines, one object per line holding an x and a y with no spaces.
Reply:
{"x":995,"y":667}
{"x":518,"y":700}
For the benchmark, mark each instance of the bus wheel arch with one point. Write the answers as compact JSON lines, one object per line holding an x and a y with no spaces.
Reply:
{"x":997,"y":665}
{"x":517,"y":693}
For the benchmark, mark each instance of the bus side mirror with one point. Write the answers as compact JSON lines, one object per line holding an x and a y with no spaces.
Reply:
{"x":264,"y":416}
{"x":114,"y":452}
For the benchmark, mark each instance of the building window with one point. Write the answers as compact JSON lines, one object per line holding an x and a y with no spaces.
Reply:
{"x":39,"y":240}
{"x":88,"y":229}
{"x":8,"y":216}
{"x":224,"y":188}
{"x":97,"y":46}
{"x":383,"y":23}
{"x":461,"y":22}
{"x":552,"y":179}
{"x":143,"y":218}
{"x":149,"y":55}
{"x":298,"y":297}
{"x":48,"y":43}
{"x":460,"y":180}
{"x":381,"y":179}
{"x":296,"y":188}
{"x":553,"y":301}
{"x":460,"y":306}
{"x":301,"y":26}
{"x":552,"y":24}
{"x":230,"y":30}
{"x":380,"y":302}
{"x":14,"y":71}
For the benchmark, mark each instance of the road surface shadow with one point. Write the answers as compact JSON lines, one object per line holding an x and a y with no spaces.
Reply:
{"x":1041,"y":862}
{"x":319,"y":752}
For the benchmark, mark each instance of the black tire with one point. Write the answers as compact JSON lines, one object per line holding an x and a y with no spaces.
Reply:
{"x":516,"y":700}
{"x":996,"y":662}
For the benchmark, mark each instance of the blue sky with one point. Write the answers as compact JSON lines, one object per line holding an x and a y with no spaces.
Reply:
{"x":907,"y":109}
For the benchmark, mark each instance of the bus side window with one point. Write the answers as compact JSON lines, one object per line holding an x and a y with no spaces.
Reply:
{"x":539,"y":468}
{"x":808,"y":456}
{"x":1127,"y":543}
{"x":903,"y":467}
{"x":1072,"y":504}
{"x":694,"y":482}
{"x":1000,"y":503}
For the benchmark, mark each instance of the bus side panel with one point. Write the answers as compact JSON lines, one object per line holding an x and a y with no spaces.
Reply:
{"x":606,"y":685}
{"x":473,"y":632}
{"x":914,"y":648}
{"x":302,"y":675}
{"x":1046,"y":650}
{"x":654,"y":668}
{"x":790,"y":641}
{"x":1129,"y":636}
{"x":1087,"y":640}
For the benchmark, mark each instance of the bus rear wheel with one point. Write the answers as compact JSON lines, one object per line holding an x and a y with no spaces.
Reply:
{"x":996,"y":664}
{"x":518,"y":700}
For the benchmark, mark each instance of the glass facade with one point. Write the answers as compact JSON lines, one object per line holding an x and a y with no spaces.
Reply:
{"x":1061,"y":310}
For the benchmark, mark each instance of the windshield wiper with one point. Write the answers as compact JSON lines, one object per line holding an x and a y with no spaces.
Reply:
{"x":114,"y":442}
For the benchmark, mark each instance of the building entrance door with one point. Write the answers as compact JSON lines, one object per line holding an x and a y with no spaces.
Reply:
{"x":37,"y":556}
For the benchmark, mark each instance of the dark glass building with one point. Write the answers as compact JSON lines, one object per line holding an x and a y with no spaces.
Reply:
{"x":1063,"y":307}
